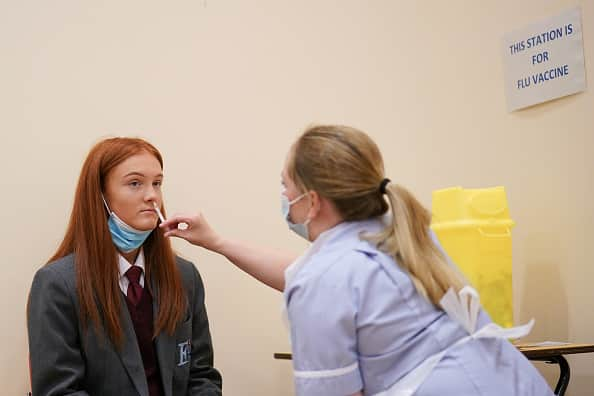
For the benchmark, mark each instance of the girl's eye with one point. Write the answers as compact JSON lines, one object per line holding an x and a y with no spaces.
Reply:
{"x":158,"y":183}
{"x":134,"y":183}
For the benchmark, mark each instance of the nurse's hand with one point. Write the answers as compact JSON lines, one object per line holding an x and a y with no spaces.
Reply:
{"x":194,"y":229}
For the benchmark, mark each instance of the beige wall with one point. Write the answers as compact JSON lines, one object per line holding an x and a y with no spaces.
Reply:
{"x":223,"y":87}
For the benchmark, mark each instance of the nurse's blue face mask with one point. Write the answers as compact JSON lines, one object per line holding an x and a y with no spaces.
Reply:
{"x":125,"y":237}
{"x":298,"y":228}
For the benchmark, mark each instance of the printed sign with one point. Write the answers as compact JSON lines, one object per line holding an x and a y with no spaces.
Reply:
{"x":544,"y":61}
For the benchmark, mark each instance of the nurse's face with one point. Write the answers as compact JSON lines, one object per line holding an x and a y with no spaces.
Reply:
{"x":132,"y":187}
{"x":299,"y":210}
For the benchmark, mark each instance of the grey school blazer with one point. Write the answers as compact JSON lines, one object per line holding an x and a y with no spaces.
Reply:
{"x":65,"y":360}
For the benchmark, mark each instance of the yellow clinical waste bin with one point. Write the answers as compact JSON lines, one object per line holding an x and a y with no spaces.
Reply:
{"x":474,"y":228}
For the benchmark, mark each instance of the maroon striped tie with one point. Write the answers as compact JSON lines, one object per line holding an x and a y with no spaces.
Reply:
{"x":134,"y":289}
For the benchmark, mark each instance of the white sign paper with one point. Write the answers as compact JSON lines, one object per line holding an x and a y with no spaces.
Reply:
{"x":544,"y":61}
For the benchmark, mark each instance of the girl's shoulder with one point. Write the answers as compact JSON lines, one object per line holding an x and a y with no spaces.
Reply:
{"x":63,"y":268}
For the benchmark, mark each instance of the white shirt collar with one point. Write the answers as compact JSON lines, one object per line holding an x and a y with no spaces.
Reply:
{"x":124,"y":265}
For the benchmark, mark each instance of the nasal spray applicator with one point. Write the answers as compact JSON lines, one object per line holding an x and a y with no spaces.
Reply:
{"x":180,"y":226}
{"x":158,"y":212}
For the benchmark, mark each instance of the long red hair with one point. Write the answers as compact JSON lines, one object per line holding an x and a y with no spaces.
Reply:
{"x":95,"y":255}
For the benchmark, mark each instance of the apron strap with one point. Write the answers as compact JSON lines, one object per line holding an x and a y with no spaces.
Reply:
{"x":462,"y":308}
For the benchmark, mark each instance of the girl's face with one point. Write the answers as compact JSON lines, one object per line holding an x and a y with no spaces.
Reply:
{"x":132,"y":187}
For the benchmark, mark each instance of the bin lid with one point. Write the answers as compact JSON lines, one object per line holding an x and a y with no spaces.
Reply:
{"x":481,"y":204}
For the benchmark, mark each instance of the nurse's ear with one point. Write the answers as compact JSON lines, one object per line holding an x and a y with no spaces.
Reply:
{"x":321,"y":207}
{"x":316,"y":205}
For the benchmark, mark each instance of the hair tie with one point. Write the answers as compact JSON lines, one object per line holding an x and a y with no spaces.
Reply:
{"x":383,"y":184}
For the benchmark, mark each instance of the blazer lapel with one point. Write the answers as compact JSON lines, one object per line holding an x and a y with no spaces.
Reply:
{"x":130,"y":353}
{"x":165,"y":346}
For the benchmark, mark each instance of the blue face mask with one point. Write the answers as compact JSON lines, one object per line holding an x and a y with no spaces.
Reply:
{"x":298,"y":228}
{"x":125,"y":237}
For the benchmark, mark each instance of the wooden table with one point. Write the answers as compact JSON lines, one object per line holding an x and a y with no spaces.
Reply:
{"x":554,"y":354}
{"x":550,"y":353}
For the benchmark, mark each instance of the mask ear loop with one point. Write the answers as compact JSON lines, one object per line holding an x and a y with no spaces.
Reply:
{"x":290,"y":203}
{"x":297,"y":199}
{"x":105,"y":203}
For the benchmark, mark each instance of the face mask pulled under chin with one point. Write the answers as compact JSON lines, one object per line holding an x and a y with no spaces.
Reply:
{"x":125,"y":237}
{"x":298,"y":228}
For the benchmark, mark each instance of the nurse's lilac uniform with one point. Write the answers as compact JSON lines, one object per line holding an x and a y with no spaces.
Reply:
{"x":357,"y":322}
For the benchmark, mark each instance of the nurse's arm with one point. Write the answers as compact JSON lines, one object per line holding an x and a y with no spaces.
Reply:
{"x":266,"y":265}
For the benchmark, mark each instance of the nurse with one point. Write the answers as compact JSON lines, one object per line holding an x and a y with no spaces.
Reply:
{"x":374,"y":306}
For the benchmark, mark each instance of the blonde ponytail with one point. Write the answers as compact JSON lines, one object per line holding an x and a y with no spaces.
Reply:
{"x":408,"y":241}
